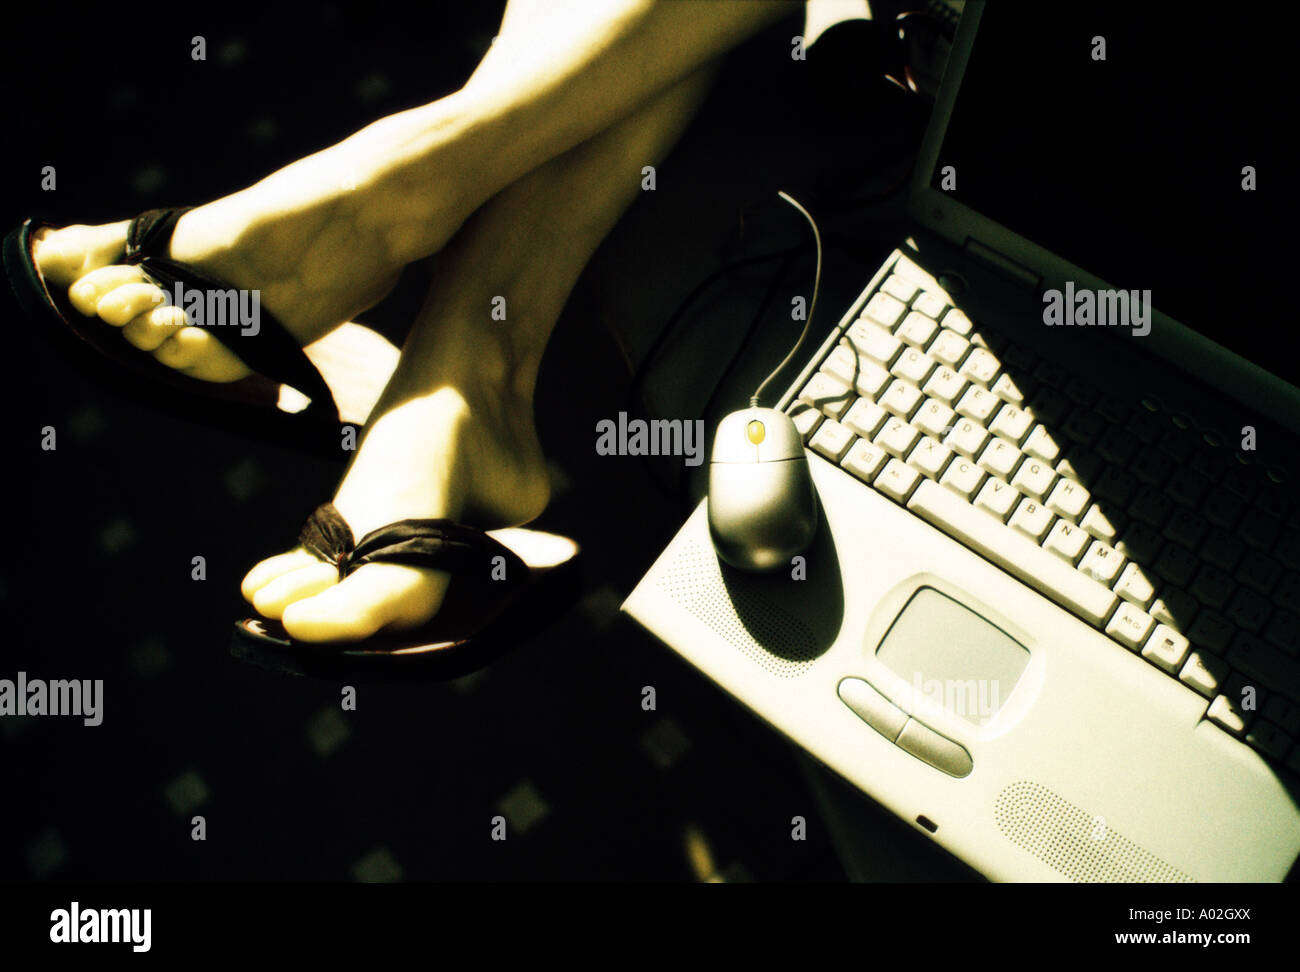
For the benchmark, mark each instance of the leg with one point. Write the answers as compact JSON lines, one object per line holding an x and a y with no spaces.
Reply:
{"x":325,"y":237}
{"x":453,"y":434}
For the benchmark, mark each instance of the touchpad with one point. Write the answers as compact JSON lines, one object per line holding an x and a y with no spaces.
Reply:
{"x":953,"y":658}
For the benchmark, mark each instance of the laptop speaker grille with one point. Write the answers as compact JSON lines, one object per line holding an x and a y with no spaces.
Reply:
{"x":694,"y":580}
{"x":1074,"y":842}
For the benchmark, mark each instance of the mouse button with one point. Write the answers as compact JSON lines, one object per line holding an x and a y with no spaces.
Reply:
{"x":731,"y":443}
{"x":781,"y":440}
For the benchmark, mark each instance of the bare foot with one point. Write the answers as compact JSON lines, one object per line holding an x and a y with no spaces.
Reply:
{"x":321,"y":241}
{"x":467,"y":451}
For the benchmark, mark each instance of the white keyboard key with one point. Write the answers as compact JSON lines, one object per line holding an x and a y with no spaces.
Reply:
{"x":805,"y":418}
{"x":1009,"y":390}
{"x":1034,"y":477}
{"x":1082,"y":467}
{"x":957,"y":321}
{"x":913,"y":365}
{"x":865,"y":460}
{"x":865,"y":374}
{"x":917,"y":329}
{"x":1222,"y":712}
{"x":1012,"y":422}
{"x":899,"y":287}
{"x":1011,"y":551}
{"x":1032,"y":519}
{"x":832,"y":440}
{"x":945,"y":385}
{"x":865,"y":418}
{"x":1000,"y":458}
{"x":1175,"y":608}
{"x":967,"y":437}
{"x":885,"y":309}
{"x":980,"y":366}
{"x":930,"y":457}
{"x":1141,"y":543}
{"x":934,"y":418}
{"x":931,"y":304}
{"x":978,"y":404}
{"x":901,"y":398}
{"x":1166,"y":647}
{"x":1102,"y":562}
{"x":997,"y":498}
{"x":897,"y":480}
{"x":1135,"y":586}
{"x":1100,"y":525}
{"x":832,"y":395}
{"x":1068,"y":499}
{"x":1130,"y":625}
{"x":1067,"y":541}
{"x":1041,"y":444}
{"x":949,"y":347}
{"x":1204,"y":672}
{"x":963,"y":477}
{"x":897,"y":437}
{"x":842,"y":362}
{"x":871,"y":379}
{"x":874,"y":341}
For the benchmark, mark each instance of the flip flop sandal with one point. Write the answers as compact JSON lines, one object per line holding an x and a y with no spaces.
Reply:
{"x":494,"y":601}
{"x":249,"y":406}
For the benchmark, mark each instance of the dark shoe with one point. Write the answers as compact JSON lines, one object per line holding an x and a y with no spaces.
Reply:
{"x":494,"y":602}
{"x":249,"y":406}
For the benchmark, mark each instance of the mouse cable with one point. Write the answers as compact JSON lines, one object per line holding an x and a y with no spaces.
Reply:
{"x":638,"y":374}
{"x":635,"y":400}
{"x":812,"y":306}
{"x":759,"y":316}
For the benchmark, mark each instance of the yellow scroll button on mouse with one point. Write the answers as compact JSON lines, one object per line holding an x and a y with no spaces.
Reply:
{"x":755,"y":431}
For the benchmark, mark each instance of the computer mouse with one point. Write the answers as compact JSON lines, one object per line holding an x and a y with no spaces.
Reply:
{"x":762,"y":505}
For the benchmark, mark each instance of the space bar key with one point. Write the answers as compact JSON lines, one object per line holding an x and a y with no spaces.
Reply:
{"x":1013,"y":552}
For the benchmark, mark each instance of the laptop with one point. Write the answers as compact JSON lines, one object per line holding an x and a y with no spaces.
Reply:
{"x":1051,"y":618}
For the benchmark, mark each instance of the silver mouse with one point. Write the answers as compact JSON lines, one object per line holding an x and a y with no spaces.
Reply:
{"x":762,"y":505}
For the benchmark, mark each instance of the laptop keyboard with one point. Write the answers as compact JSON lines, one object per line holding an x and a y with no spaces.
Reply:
{"x":1153,"y":530}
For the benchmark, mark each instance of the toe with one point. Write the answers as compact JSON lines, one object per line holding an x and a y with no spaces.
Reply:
{"x":273,"y":568}
{"x":57,"y":255}
{"x":149,"y":330}
{"x":87,"y":292}
{"x":165,"y":332}
{"x":123,"y":304}
{"x":305,"y":582}
{"x":186,"y":348}
{"x":63,"y":255}
{"x":216,"y":363}
{"x":374,"y":598}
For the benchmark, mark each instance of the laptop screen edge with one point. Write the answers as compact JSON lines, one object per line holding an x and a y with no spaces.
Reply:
{"x":1189,"y":350}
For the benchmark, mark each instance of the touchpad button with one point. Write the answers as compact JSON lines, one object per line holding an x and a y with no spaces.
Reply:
{"x":954,"y":659}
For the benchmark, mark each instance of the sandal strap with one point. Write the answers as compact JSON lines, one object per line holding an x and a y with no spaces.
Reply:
{"x":271,"y":351}
{"x":440,"y":544}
